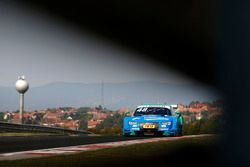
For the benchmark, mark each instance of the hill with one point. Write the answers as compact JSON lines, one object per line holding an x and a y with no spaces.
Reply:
{"x":116,"y":95}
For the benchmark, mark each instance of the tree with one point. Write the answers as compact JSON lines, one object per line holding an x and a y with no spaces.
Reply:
{"x":194,"y":103}
{"x":1,"y":116}
{"x":99,"y":107}
{"x":204,"y":114}
{"x":83,"y":124}
{"x":83,"y":109}
{"x":112,"y":124}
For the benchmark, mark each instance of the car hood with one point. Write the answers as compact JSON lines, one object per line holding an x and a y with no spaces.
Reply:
{"x":151,"y":118}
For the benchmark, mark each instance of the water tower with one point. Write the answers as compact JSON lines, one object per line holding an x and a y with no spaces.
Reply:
{"x":21,"y":86}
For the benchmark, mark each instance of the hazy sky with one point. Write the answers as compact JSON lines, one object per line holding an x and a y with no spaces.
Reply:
{"x":46,"y":50}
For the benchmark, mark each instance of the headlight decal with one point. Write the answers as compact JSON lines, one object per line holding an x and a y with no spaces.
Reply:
{"x":132,"y":123}
{"x":166,"y":123}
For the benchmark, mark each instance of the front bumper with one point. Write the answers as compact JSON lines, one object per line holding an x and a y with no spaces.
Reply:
{"x":145,"y":132}
{"x":150,"y":128}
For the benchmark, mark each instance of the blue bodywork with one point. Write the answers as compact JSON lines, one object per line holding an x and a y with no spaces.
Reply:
{"x":165,"y":125}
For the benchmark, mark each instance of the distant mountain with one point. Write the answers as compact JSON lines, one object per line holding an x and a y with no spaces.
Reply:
{"x":116,"y":95}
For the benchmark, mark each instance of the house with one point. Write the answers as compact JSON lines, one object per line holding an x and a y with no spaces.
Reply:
{"x":98,"y":114}
{"x":69,"y":124}
{"x":16,"y":117}
{"x":72,"y":110}
{"x":92,"y":123}
{"x":51,"y":118}
{"x":101,"y":116}
{"x":6,"y":116}
{"x":122,"y":111}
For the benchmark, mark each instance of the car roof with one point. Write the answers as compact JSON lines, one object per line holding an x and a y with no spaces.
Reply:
{"x":154,"y":105}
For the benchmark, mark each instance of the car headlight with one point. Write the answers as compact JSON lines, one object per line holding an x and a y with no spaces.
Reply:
{"x":132,"y":123}
{"x":166,"y":123}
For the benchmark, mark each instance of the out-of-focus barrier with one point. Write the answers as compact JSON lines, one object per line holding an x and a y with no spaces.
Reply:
{"x":11,"y":127}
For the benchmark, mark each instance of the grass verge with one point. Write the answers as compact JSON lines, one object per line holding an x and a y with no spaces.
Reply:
{"x":164,"y":153}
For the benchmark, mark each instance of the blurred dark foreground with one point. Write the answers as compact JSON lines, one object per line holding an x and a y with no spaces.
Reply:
{"x":198,"y":151}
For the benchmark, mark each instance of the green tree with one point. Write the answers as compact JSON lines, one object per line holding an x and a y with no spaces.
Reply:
{"x":112,"y":124}
{"x":204,"y":114}
{"x":193,"y":103}
{"x":83,"y":109}
{"x":1,"y":116}
{"x":83,"y":124}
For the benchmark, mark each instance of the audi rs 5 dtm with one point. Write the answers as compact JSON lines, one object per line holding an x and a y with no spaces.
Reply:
{"x":153,"y":119}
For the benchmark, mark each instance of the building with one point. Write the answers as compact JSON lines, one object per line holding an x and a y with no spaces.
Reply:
{"x":92,"y":123}
{"x":69,"y":124}
{"x":122,"y":111}
{"x":51,"y":118}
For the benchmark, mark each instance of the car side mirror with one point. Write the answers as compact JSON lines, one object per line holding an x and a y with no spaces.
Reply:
{"x":178,"y":113}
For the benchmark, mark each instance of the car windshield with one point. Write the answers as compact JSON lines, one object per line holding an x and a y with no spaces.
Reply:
{"x":152,"y":111}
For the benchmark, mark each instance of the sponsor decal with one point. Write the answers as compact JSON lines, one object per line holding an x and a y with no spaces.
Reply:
{"x":156,"y":118}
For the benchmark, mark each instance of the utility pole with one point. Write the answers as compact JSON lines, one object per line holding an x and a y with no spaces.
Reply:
{"x":102,"y":94}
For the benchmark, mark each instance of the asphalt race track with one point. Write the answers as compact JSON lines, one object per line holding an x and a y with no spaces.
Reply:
{"x":14,"y":144}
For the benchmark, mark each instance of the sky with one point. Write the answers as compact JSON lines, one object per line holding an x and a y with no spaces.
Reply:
{"x":47,"y":50}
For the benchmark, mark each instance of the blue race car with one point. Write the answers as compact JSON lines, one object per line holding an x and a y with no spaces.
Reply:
{"x":153,"y":119}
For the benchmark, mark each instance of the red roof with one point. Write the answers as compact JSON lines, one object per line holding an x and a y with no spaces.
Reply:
{"x":25,"y":115}
{"x":122,"y":110}
{"x":92,"y":122}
